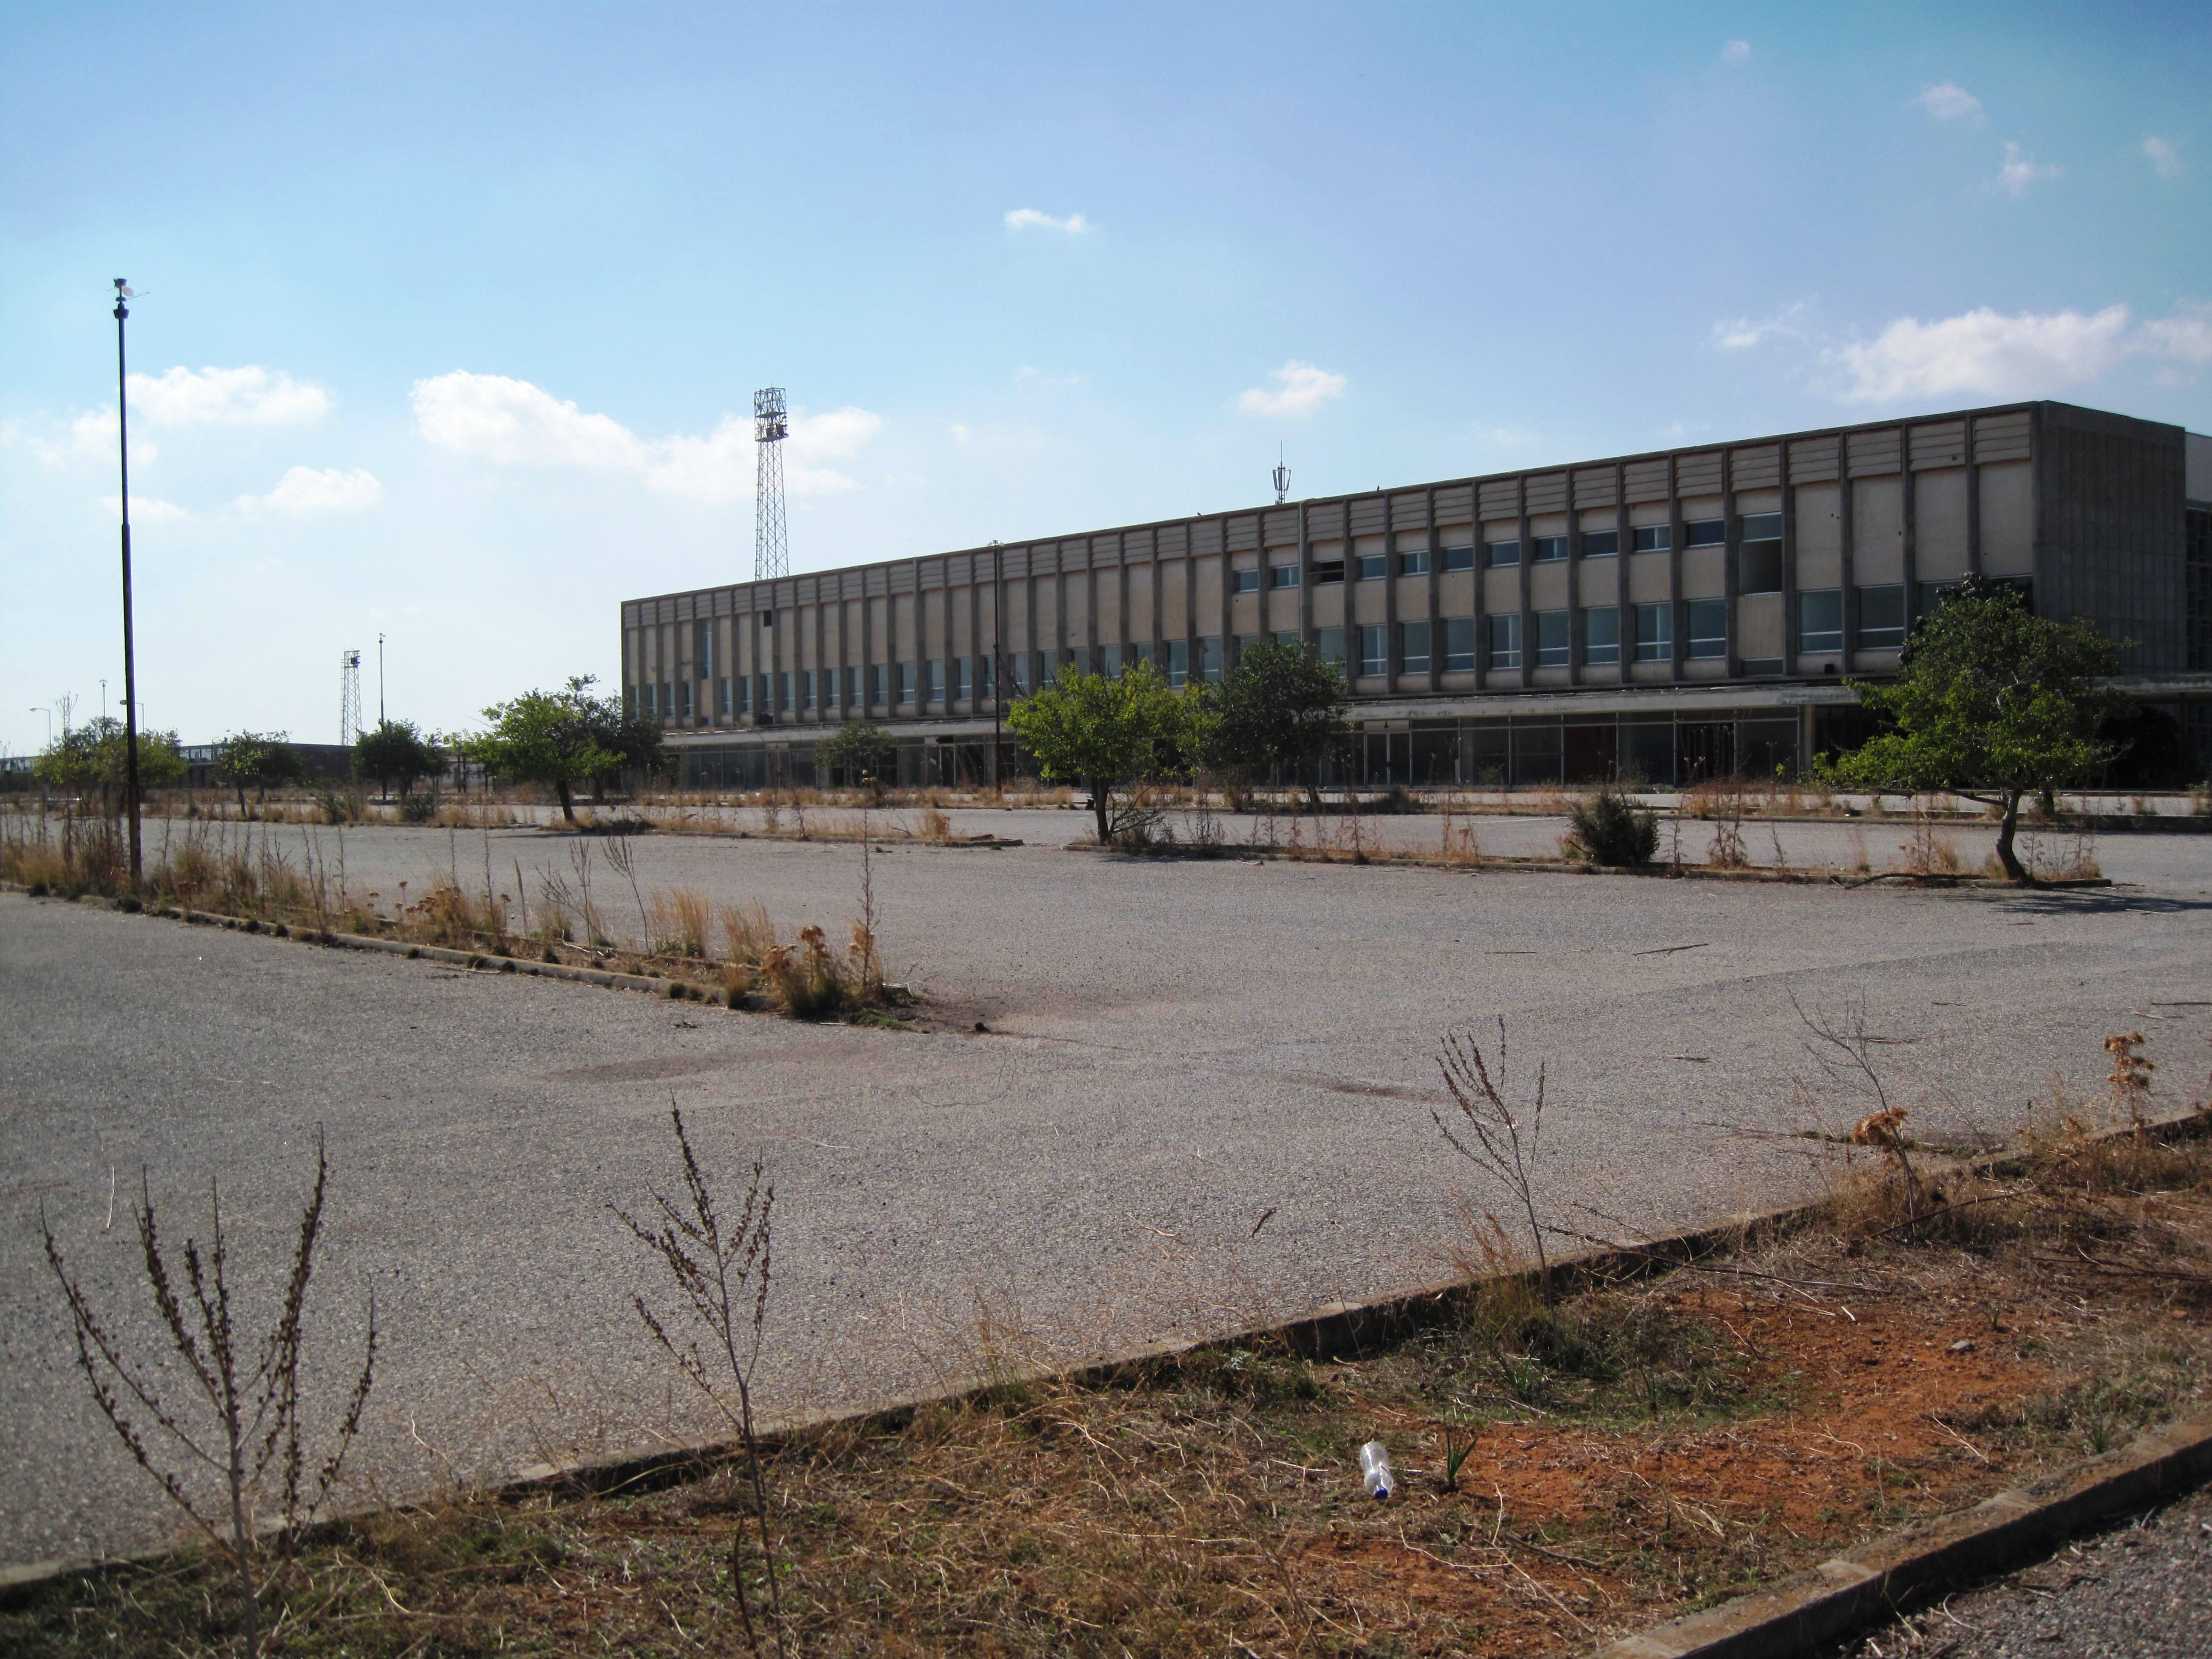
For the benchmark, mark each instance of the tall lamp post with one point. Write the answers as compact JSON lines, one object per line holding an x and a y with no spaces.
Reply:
{"x":130,"y":663}
{"x":380,"y":679}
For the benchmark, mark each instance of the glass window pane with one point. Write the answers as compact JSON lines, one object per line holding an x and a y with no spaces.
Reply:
{"x":1459,"y":644}
{"x":1601,"y":544}
{"x":1506,"y":640}
{"x":1655,"y":632}
{"x":1548,"y":547}
{"x":1602,"y":633}
{"x":1762,"y":526}
{"x":1503,"y":553}
{"x":1209,"y":656}
{"x":1820,"y":619}
{"x":1881,"y":617}
{"x":1247,"y":581}
{"x":1704,"y":532}
{"x":1415,"y":564}
{"x":1283,"y":575}
{"x":1371,"y":567}
{"x":1178,"y":662}
{"x":1459,"y":558}
{"x":1328,"y":645}
{"x":1708,"y":628}
{"x":1413,"y":648}
{"x":1652,"y":538}
{"x":1552,"y":632}
{"x":1371,"y":643}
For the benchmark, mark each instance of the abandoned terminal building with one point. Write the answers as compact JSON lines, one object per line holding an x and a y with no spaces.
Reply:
{"x":1657,"y":617}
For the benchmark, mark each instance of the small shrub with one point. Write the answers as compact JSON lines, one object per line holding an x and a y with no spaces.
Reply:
{"x":1607,"y":828}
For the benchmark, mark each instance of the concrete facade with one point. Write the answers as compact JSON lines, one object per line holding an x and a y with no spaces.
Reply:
{"x":1663,"y":616}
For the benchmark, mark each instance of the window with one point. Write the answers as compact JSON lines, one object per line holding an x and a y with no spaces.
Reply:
{"x":1413,"y":648}
{"x":783,"y":693}
{"x":1708,"y":628}
{"x":1326,"y":571}
{"x":1288,"y":639}
{"x":1459,"y":644}
{"x":1459,"y":558}
{"x":1601,"y":544}
{"x":1209,"y":657}
{"x":764,"y":696}
{"x":1244,"y":581}
{"x":1328,"y":645}
{"x":629,"y":698}
{"x":744,"y":694}
{"x":1282,"y":575}
{"x":935,"y":692}
{"x":1178,"y":662}
{"x":1820,"y":620}
{"x":852,"y":688}
{"x":1142,"y":651}
{"x":960,"y":679}
{"x":1505,"y":640}
{"x":1244,"y":642}
{"x":702,"y":648}
{"x":1761,"y":527}
{"x":807,"y":688}
{"x":1553,"y":636}
{"x":906,"y":682}
{"x":1602,"y":633}
{"x":1371,"y":643}
{"x":1655,"y":632}
{"x":650,"y":703}
{"x":1372,"y":566}
{"x":668,"y":698}
{"x":1652,"y":538}
{"x":1548,"y":547}
{"x":1415,"y":564}
{"x":879,"y":683}
{"x":1109,"y":660}
{"x":1882,"y":618}
{"x":1704,"y":532}
{"x":1497,"y":554}
{"x":986,"y":678}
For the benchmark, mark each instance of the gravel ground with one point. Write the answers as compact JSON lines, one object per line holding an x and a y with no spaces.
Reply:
{"x":1203,"y":1100}
{"x":2143,"y":1591}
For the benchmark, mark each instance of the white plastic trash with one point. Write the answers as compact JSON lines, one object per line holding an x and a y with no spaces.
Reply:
{"x":1375,"y":1471}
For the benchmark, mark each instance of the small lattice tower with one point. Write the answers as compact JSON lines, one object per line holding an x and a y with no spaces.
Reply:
{"x":349,"y":697}
{"x":771,"y":542}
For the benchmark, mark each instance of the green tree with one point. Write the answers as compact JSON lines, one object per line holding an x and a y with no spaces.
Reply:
{"x":396,"y":749}
{"x":1991,"y":702}
{"x":1105,"y":736}
{"x":257,"y":760}
{"x":543,"y":737}
{"x":1278,"y":714}
{"x":635,"y":741}
{"x":95,"y":756}
{"x":861,"y":752}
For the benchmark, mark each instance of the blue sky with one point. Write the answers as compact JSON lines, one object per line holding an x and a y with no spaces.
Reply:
{"x":453,"y":314}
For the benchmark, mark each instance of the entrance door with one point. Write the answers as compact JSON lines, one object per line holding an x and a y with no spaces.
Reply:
{"x":1591,"y":754}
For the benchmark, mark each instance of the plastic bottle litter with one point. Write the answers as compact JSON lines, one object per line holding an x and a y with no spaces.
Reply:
{"x":1375,"y":1471}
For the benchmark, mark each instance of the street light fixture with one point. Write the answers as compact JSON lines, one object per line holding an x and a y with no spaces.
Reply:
{"x":129,"y":662}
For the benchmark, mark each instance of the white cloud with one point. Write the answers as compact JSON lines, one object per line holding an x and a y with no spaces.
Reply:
{"x":1946,"y":101}
{"x":304,"y":491}
{"x":2185,"y":339}
{"x":144,"y":509}
{"x":1744,"y":332}
{"x":512,"y":423}
{"x":250,"y":396}
{"x":1029,"y":219}
{"x":1983,"y":351}
{"x":960,"y":435}
{"x":1736,"y":52}
{"x":1301,"y":389}
{"x":2163,"y":155}
{"x":2021,"y":170}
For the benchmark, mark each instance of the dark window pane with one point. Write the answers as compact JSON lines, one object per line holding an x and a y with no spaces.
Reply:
{"x":1503,"y":553}
{"x":1601,"y":544}
{"x":1704,"y":532}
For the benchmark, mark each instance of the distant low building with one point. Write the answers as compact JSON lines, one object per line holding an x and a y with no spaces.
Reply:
{"x":1660,"y":617}
{"x":327,"y":761}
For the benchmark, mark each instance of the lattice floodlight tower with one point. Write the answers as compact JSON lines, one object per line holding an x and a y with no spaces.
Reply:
{"x":349,"y":697}
{"x":771,"y":544}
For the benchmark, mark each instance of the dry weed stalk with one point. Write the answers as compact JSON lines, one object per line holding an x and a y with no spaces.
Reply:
{"x":2129,"y":1081}
{"x":249,"y":1406}
{"x":1492,"y":1135}
{"x":1842,"y":1047}
{"x":716,"y":1272}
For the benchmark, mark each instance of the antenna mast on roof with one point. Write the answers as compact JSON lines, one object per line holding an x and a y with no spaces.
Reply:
{"x":771,"y":544}
{"x":1282,"y":477}
{"x":349,"y":697}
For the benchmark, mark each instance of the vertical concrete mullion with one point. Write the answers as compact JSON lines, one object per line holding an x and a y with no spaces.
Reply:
{"x":1792,"y":639}
{"x":1909,"y":518}
{"x":1306,"y":570}
{"x":1973,"y":503}
{"x":1678,"y":649}
{"x":1846,"y":539}
{"x":1480,"y":556}
{"x":1521,"y":573}
{"x":1194,"y":658}
{"x":1228,"y":597}
{"x":1435,"y":599}
{"x":1731,"y":567}
{"x":1623,"y":546}
{"x":1577,"y":646}
{"x":1391,"y":665}
{"x":1154,"y":582}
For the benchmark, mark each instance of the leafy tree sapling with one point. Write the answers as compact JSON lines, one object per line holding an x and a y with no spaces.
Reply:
{"x":1281,"y":712}
{"x":1106,"y":735}
{"x":397,"y":751}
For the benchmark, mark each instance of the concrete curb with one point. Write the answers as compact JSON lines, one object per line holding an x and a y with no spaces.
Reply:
{"x":1879,"y":1577}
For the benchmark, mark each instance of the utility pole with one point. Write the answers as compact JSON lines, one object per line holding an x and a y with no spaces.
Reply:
{"x":130,"y":661}
{"x":998,"y":662}
{"x":380,"y":680}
